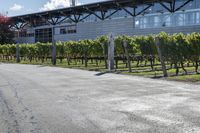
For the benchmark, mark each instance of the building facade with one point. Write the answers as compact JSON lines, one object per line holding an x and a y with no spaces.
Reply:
{"x":153,"y":20}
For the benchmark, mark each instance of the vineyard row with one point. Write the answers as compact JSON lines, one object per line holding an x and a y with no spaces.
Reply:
{"x":178,"y":50}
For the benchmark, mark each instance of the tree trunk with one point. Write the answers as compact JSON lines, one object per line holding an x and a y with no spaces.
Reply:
{"x":68,"y":61}
{"x":125,"y":43}
{"x":116,"y":63}
{"x":97,"y":64}
{"x":196,"y":67}
{"x":86,"y":60}
{"x":177,"y":69}
{"x":151,"y":63}
{"x":182,"y":65}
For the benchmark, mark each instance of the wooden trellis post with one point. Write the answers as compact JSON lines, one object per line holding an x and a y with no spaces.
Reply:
{"x":125,"y":44}
{"x":157,"y":41}
{"x":53,"y":47}
{"x":17,"y":53}
{"x":111,"y":56}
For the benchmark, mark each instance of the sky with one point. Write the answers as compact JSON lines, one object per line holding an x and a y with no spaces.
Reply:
{"x":20,"y":7}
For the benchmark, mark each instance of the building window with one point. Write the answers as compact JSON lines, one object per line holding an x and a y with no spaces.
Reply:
{"x":43,"y":35}
{"x":29,"y":34}
{"x":63,"y":31}
{"x":190,"y":18}
{"x":157,"y":21}
{"x":197,"y":17}
{"x":69,"y":29}
{"x":179,"y":19}
{"x":167,"y":21}
{"x":23,"y":33}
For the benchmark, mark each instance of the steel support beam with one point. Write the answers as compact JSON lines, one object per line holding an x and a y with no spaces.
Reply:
{"x":108,"y":16}
{"x":184,"y":4}
{"x":172,"y":5}
{"x":169,"y":9}
{"x":139,"y":13}
{"x":92,"y":12}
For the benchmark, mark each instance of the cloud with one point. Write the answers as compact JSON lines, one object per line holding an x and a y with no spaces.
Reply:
{"x":29,"y":10}
{"x":16,"y":7}
{"x":55,"y":4}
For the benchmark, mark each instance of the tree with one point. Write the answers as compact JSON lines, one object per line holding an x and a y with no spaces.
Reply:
{"x":6,"y":35}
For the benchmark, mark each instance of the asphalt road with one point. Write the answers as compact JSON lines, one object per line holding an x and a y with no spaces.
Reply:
{"x":36,"y":99}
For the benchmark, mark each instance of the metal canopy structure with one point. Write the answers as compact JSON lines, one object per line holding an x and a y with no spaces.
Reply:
{"x":102,"y":10}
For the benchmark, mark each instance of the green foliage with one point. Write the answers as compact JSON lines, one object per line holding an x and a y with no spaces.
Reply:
{"x":146,"y":45}
{"x":194,"y":46}
{"x":176,"y":49}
